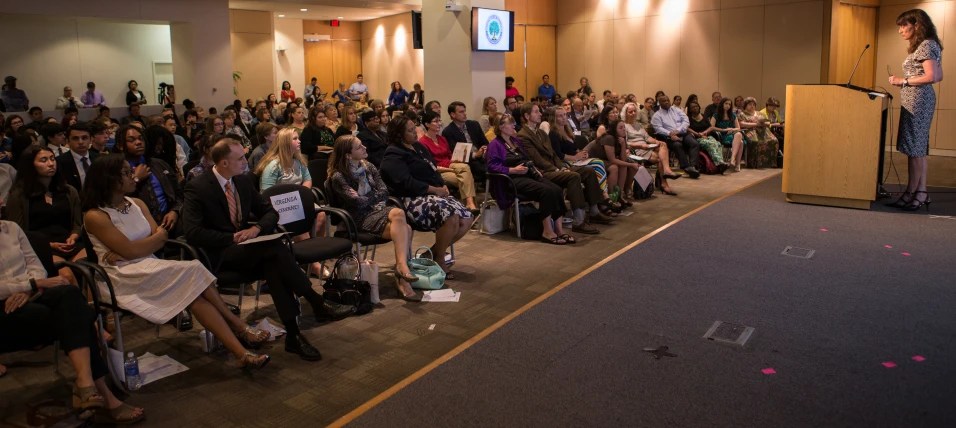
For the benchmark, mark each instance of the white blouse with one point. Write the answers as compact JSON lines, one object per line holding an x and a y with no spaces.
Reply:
{"x":18,"y":262}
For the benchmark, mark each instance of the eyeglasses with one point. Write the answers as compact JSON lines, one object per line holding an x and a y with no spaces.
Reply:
{"x":127,"y":173}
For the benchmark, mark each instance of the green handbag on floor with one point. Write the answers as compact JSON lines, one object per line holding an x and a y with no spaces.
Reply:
{"x":430,"y":275}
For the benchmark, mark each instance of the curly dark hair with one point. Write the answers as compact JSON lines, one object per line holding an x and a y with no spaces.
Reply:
{"x":101,"y":180}
{"x":395,"y":131}
{"x":924,"y":28}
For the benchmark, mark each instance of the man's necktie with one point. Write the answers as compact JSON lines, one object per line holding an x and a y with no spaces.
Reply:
{"x":233,"y":209}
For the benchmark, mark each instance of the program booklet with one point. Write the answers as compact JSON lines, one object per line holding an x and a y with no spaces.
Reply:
{"x":462,"y":152}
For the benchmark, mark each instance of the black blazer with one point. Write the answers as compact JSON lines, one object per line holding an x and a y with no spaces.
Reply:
{"x":374,"y":142}
{"x":454,"y":135}
{"x":408,"y":173}
{"x":131,"y":97}
{"x":67,"y":168}
{"x":168,"y":181}
{"x":416,"y":98}
{"x":206,"y":213}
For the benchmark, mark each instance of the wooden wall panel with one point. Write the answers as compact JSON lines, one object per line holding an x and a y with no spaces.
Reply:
{"x":520,"y":8}
{"x":583,"y":12}
{"x":570,"y":55}
{"x":598,"y":56}
{"x":793,"y":35}
{"x":541,"y":44}
{"x":542,"y":12}
{"x":318,"y":60}
{"x":853,"y":27}
{"x":945,"y":125}
{"x":663,"y":55}
{"x":699,"y":55}
{"x":347,"y":63}
{"x":741,"y":51}
{"x":629,"y":70}
{"x":250,"y":21}
{"x":515,"y":63}
{"x":946,"y":90}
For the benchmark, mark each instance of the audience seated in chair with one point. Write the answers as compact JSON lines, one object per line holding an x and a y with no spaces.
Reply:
{"x":285,"y":164}
{"x":671,"y":124}
{"x":218,"y":205}
{"x":762,"y":144}
{"x":506,"y":156}
{"x":411,"y":174}
{"x":701,"y":129}
{"x":204,"y":148}
{"x":584,"y":199}
{"x":317,"y":136}
{"x":349,"y":124}
{"x":38,"y":311}
{"x":265,"y":134}
{"x":42,"y":202}
{"x":157,"y":185}
{"x":608,"y":113}
{"x":489,"y":107}
{"x":124,"y":239}
{"x":373,"y":138}
{"x":462,"y":130}
{"x":727,"y":127}
{"x":454,"y":174}
{"x":359,"y":188}
{"x":72,"y":166}
{"x":612,"y":149}
{"x":562,"y":142}
{"x":639,"y":143}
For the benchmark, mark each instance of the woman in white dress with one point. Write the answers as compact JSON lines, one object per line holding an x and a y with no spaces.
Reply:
{"x":124,"y":241}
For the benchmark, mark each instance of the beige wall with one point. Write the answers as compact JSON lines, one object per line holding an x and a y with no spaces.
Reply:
{"x":290,"y":63}
{"x":738,"y":47}
{"x":388,"y":55}
{"x":892,"y":51}
{"x":200,"y":37}
{"x":70,"y":52}
{"x":252,"y":44}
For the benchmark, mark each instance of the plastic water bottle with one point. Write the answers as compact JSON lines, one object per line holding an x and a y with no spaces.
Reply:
{"x":133,"y":380}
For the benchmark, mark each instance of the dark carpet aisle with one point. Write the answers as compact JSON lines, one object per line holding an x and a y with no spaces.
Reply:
{"x":840,"y":331}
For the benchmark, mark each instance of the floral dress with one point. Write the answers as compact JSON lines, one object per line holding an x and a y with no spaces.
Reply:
{"x":763,"y":146}
{"x":708,"y":144}
{"x":918,"y":103}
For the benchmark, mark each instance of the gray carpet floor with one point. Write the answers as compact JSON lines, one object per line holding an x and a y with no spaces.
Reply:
{"x":825,"y":325}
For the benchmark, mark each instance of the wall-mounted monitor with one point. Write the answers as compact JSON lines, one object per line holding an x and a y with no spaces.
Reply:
{"x":492,"y":30}
{"x":417,"y":30}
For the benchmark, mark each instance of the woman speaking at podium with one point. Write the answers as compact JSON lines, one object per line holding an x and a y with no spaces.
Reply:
{"x":921,"y":70}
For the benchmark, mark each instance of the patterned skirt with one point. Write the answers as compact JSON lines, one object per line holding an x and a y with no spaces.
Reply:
{"x":713,"y":149}
{"x":429,"y":212}
{"x":600,"y":171}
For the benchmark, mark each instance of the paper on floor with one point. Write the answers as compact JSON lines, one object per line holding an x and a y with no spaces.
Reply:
{"x":437,"y":296}
{"x":626,"y":213}
{"x":276,"y":331}
{"x":151,"y":367}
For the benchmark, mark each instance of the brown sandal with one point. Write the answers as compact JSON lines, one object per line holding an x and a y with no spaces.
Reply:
{"x":122,"y":415}
{"x":252,"y":361}
{"x":87,"y":398}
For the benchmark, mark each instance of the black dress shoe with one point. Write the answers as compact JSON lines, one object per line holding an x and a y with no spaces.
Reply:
{"x":332,"y":311}
{"x":298,"y":344}
{"x":692,"y":172}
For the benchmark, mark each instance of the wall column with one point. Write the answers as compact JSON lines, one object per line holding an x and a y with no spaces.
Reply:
{"x":452,"y":71}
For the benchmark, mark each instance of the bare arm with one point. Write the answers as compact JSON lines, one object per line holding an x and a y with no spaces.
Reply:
{"x":98,"y":223}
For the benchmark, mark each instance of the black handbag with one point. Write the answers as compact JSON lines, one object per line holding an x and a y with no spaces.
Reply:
{"x":349,"y":291}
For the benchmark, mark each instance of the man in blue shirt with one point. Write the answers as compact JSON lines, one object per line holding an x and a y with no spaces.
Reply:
{"x":154,"y":180}
{"x":546,"y":89}
{"x":670,"y":125}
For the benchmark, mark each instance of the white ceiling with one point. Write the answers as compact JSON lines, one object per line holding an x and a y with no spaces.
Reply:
{"x":348,"y":10}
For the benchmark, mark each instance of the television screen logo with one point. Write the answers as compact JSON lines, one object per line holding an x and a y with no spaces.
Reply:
{"x":493,"y":30}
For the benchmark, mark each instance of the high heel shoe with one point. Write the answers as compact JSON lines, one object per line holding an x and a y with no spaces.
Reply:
{"x":414,"y":297}
{"x":919,"y":203}
{"x":406,"y":276}
{"x":251,"y":361}
{"x":900,"y":203}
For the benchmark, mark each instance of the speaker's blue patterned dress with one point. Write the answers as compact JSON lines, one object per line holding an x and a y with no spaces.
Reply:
{"x":918,"y":102}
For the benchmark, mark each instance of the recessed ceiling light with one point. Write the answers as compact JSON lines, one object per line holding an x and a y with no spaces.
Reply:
{"x":303,"y":10}
{"x":281,"y":16}
{"x":341,"y":17}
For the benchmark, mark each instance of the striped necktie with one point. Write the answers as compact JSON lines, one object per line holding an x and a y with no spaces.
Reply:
{"x":233,"y":208}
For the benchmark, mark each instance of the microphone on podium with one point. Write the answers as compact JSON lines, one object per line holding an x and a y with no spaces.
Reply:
{"x":857,"y":64}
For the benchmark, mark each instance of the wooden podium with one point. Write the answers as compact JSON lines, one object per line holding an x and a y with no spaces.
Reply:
{"x":832,"y":145}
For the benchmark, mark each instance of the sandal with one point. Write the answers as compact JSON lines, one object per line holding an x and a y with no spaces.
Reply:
{"x":122,"y":415}
{"x":251,"y":361}
{"x":87,"y":398}
{"x":253,"y":336}
{"x":568,"y":238}
{"x":414,"y":297}
{"x":406,"y":276}
{"x":901,"y":202}
{"x":554,"y":240}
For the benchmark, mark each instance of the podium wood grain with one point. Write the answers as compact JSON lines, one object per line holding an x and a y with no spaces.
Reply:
{"x":832,"y":146}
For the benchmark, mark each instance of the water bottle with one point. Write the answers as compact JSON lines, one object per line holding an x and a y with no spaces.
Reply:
{"x":133,"y":380}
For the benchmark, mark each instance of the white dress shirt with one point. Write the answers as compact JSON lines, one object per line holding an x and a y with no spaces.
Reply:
{"x":669,"y":120}
{"x":18,"y":262}
{"x":58,"y":150}
{"x":78,"y":160}
{"x":222,"y":184}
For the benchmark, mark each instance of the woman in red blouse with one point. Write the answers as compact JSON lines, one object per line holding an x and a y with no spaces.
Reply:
{"x":456,"y":174}
{"x":287,"y":94}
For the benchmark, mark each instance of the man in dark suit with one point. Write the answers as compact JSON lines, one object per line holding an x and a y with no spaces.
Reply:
{"x":218,"y":204}
{"x":373,"y":138}
{"x":156,"y":181}
{"x":73,"y":165}
{"x":462,"y":130}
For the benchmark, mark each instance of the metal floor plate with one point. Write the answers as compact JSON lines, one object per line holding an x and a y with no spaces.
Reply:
{"x":729,"y":333}
{"x":803,"y":253}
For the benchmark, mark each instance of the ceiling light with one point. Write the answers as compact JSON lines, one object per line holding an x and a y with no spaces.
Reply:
{"x":303,"y":10}
{"x":281,"y":16}
{"x":341,"y":17}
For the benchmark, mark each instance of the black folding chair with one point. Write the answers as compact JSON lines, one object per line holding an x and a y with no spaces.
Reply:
{"x":366,"y":239}
{"x":510,"y":185}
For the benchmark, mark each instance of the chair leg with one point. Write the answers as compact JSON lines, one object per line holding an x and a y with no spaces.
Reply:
{"x":56,"y":359}
{"x":242,"y":291}
{"x":517,"y":211}
{"x":258,"y":293}
{"x":374,"y":248}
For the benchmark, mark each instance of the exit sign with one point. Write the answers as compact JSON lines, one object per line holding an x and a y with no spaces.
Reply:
{"x":335,"y":22}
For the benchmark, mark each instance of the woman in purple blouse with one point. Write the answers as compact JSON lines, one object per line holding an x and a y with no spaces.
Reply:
{"x":506,"y":156}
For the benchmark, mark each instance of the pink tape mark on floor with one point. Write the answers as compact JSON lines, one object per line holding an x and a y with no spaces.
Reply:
{"x":888,"y":364}
{"x":824,"y":230}
{"x":906,"y":254}
{"x":918,"y":358}
{"x":888,"y":246}
{"x":769,"y":371}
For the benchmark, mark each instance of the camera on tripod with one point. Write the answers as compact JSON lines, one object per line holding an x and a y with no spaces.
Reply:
{"x":162,"y":92}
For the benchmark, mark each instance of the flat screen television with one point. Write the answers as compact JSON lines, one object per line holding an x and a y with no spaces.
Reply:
{"x":492,"y":30}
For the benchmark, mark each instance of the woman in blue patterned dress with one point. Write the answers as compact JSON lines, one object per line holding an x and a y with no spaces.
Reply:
{"x":921,"y":69}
